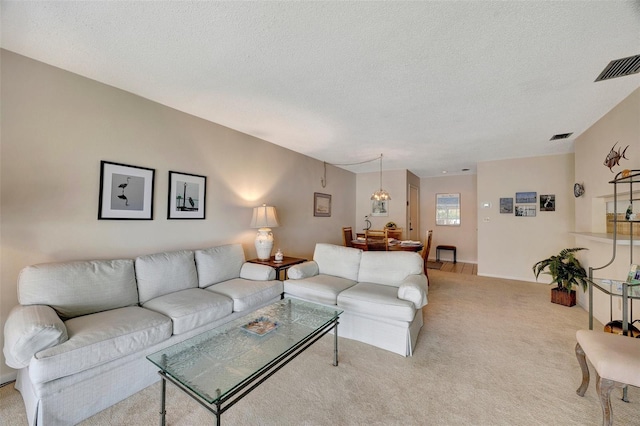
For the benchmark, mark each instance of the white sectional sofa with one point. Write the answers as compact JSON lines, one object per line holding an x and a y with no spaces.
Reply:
{"x":382,"y":293}
{"x":82,"y":330}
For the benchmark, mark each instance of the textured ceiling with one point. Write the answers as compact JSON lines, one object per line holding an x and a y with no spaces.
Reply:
{"x":432,"y":85}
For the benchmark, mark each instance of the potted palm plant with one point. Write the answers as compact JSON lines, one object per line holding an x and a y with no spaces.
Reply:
{"x":566,"y":272}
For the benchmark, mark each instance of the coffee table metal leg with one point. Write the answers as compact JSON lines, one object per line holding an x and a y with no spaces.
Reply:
{"x":335,"y":345}
{"x":162,"y":402}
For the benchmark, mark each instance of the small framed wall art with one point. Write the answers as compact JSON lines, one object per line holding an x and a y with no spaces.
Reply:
{"x":187,"y":194}
{"x":448,"y":209}
{"x":526,"y":197}
{"x":548,"y":203}
{"x":380,"y":208}
{"x":321,"y":204}
{"x":526,"y":210}
{"x":126,"y":192}
{"x":506,"y":205}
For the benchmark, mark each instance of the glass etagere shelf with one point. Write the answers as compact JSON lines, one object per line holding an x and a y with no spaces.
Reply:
{"x":616,"y":287}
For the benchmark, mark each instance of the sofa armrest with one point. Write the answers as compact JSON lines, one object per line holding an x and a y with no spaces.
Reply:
{"x":414,"y":289}
{"x":30,"y":329}
{"x":303,"y":270}
{"x":257,"y":272}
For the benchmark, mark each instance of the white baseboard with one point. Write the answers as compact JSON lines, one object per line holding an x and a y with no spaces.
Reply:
{"x":473,"y":262}
{"x":510,"y":278}
{"x":8,"y":377}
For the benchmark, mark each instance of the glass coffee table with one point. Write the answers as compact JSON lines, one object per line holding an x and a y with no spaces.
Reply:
{"x":221,"y":366}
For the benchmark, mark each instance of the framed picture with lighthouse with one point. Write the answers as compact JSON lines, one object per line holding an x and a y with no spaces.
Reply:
{"x":186,"y":196}
{"x":126,"y":192}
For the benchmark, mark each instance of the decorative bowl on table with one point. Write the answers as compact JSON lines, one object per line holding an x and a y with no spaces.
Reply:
{"x":260,"y":326}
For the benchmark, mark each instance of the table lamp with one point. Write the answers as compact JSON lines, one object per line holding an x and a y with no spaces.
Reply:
{"x":264,"y":218}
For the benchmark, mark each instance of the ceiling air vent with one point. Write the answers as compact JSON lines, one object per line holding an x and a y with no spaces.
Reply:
{"x":560,"y":136}
{"x":620,"y":68}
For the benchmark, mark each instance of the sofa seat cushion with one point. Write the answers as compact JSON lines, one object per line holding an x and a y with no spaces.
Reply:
{"x":320,"y":288}
{"x":247,"y":294}
{"x":379,"y":299}
{"x":191,"y":308}
{"x":99,"y":338}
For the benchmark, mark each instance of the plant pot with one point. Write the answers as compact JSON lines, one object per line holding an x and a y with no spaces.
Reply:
{"x":562,"y":297}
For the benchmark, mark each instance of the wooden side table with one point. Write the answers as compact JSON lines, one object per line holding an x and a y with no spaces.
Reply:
{"x":283,"y":266}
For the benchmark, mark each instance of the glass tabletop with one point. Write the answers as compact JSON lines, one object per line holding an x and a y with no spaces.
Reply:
{"x":614,"y":287}
{"x":214,"y":363}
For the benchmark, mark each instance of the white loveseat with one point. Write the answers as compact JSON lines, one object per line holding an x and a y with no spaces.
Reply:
{"x":382,"y":293}
{"x":82,"y":330}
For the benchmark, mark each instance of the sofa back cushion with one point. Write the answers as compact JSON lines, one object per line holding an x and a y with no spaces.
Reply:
{"x":338,"y":261}
{"x":79,"y":288}
{"x":218,"y":264}
{"x":388,"y":267}
{"x":164,"y":273}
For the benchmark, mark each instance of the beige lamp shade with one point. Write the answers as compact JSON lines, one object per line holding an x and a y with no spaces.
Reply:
{"x":264,"y":218}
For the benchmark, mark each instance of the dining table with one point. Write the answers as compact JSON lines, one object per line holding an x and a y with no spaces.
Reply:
{"x":393,"y":245}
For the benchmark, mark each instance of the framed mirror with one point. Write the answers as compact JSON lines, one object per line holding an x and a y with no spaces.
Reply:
{"x":448,"y":209}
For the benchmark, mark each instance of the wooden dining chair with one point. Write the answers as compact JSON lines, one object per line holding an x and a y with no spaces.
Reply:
{"x":396,"y":233}
{"x":425,"y":252}
{"x":347,"y":236}
{"x":376,"y":240}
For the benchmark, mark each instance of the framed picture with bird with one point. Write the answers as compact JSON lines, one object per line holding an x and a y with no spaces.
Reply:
{"x":186,"y":196}
{"x":126,"y":192}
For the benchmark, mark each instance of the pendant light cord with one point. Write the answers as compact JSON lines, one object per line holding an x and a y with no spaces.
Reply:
{"x":323,"y":180}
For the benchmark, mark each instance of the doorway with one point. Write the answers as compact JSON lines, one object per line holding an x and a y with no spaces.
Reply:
{"x":413,"y":210}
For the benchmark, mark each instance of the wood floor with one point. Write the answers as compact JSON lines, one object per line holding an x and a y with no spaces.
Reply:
{"x":460,"y":268}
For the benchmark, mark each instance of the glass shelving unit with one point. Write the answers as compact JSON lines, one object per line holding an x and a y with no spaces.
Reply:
{"x":611,"y":287}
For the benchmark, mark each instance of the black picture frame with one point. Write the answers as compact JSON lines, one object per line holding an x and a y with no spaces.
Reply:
{"x":126,"y":192}
{"x":321,"y":204}
{"x":187,"y":196}
{"x":548,"y":203}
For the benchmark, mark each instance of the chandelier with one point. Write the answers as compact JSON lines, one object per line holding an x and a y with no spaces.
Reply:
{"x":380,"y":194}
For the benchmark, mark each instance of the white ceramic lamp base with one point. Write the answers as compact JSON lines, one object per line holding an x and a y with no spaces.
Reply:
{"x":264,"y":243}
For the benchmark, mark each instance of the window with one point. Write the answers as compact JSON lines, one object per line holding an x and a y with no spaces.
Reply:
{"x":448,"y":209}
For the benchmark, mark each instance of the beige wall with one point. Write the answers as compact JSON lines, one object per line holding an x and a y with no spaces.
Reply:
{"x":508,"y":246}
{"x":464,"y":237}
{"x":56,"y":127}
{"x":621,"y":125}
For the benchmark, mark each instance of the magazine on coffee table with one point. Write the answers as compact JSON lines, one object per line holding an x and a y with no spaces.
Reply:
{"x":260,"y":326}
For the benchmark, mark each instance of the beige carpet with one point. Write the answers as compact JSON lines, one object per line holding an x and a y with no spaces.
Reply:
{"x":492,"y":352}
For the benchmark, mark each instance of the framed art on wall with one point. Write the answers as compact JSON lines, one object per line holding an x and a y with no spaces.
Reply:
{"x":506,"y":205}
{"x":187,"y":194}
{"x":525,"y":210}
{"x":126,"y":192}
{"x":526,"y":197}
{"x":548,"y":203}
{"x":321,"y":204}
{"x":448,"y":209}
{"x":380,"y":208}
